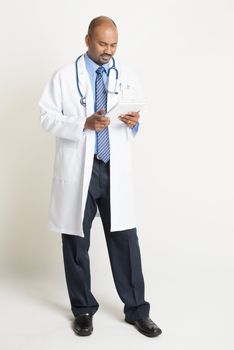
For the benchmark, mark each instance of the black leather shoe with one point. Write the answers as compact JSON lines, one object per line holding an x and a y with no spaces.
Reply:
{"x":146,"y":326}
{"x":83,"y":324}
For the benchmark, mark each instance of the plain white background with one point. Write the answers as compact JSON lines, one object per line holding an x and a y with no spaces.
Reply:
{"x":183,"y":52}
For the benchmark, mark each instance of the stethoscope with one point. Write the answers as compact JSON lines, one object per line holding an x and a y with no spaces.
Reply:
{"x":82,"y":97}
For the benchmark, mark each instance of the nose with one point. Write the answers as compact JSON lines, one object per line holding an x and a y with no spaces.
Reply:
{"x":108,"y":50}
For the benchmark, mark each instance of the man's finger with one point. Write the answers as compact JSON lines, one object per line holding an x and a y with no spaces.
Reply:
{"x":127,"y":119}
{"x":102,"y":118}
{"x":102,"y":124}
{"x":101,"y":111}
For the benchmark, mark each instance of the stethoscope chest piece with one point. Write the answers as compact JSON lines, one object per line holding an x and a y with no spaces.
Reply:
{"x":83,"y":101}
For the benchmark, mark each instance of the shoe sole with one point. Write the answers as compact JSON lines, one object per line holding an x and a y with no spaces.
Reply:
{"x":82,"y":333}
{"x":142,"y":332}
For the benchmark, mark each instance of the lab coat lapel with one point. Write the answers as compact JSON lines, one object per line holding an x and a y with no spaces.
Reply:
{"x":85,"y":86}
{"x":86,"y":89}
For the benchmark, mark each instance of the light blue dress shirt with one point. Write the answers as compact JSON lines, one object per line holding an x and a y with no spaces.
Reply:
{"x":91,"y":67}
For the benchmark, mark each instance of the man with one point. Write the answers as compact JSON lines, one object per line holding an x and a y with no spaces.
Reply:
{"x":92,"y":171}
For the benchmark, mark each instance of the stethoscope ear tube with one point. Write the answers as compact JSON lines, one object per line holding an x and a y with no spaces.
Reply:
{"x":82,"y":97}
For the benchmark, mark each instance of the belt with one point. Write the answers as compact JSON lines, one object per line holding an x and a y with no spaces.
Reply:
{"x":98,"y":158}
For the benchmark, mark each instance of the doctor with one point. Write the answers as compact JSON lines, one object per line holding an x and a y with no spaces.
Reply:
{"x":93,"y":174}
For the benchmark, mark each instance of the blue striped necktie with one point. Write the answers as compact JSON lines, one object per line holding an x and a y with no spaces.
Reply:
{"x":103,"y":145}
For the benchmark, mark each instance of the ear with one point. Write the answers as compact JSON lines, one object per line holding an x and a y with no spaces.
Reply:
{"x":87,"y":40}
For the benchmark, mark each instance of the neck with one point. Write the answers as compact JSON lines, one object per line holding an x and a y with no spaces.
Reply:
{"x":93,"y":59}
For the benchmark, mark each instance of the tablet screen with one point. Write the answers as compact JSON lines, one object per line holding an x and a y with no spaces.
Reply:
{"x":124,"y":108}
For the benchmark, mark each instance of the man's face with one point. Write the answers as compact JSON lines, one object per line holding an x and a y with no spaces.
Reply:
{"x":102,"y":43}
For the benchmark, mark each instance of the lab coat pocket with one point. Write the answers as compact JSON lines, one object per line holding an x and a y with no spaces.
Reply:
{"x":65,"y":143}
{"x":67,"y":163}
{"x":127,"y":93}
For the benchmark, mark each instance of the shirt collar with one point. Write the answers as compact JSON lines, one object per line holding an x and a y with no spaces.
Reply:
{"x":93,"y":66}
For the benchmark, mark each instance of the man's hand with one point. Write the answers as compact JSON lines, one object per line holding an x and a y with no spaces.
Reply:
{"x":97,"y":121}
{"x":130,"y":119}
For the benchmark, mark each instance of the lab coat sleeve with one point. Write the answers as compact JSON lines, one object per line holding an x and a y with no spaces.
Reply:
{"x":51,"y":113}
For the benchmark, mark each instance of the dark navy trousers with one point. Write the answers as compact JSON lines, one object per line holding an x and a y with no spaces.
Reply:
{"x":123,"y":250}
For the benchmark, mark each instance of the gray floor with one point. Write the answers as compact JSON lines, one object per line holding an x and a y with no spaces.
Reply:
{"x":35,"y":314}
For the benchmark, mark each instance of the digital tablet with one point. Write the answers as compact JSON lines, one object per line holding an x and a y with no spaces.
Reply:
{"x":124,"y":108}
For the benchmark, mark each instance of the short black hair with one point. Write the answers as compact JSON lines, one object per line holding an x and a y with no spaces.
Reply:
{"x":97,"y":21}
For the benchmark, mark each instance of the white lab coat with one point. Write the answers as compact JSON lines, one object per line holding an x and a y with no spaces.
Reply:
{"x":64,"y":117}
